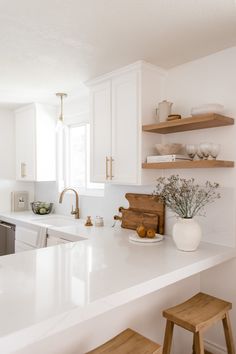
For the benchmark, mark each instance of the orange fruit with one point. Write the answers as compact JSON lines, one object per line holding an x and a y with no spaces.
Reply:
{"x":151,"y":233}
{"x":141,"y":231}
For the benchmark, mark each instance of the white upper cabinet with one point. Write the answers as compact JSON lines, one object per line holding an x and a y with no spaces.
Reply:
{"x":35,"y":127}
{"x":125,"y":129}
{"x":120,"y":102}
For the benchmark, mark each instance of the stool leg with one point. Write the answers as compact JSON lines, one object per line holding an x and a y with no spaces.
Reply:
{"x":198,"y":343}
{"x":228,"y":334}
{"x":168,"y":337}
{"x":193,"y":347}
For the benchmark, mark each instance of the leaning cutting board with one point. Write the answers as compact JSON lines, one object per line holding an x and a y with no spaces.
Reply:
{"x":132,"y":218}
{"x":144,"y":209}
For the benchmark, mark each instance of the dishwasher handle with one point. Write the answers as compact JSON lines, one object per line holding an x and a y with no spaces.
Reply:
{"x":7,"y":226}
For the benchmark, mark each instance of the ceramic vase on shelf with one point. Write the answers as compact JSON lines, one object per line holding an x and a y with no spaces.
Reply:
{"x":163,"y":110}
{"x":187,"y":234}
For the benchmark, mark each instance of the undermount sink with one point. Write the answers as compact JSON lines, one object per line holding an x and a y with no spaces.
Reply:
{"x":57,"y":221}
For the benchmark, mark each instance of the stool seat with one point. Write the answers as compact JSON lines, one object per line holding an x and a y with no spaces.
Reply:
{"x":128,"y":342}
{"x":196,"y":315}
{"x":199,"y":312}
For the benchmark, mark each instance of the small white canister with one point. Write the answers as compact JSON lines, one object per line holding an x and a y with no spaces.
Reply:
{"x":99,"y":221}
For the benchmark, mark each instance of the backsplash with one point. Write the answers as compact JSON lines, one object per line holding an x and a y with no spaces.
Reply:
{"x":217,"y":222}
{"x":7,"y":186}
{"x":106,"y":206}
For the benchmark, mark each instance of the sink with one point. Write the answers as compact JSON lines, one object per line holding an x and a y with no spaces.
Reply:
{"x":57,"y":221}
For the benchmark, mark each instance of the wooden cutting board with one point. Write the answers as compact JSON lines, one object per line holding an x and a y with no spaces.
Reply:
{"x":146,"y":209}
{"x":131,"y":219}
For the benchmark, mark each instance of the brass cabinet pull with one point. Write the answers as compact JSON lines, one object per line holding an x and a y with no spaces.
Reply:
{"x":107,"y":161}
{"x":111,"y":174}
{"x":23,"y":169}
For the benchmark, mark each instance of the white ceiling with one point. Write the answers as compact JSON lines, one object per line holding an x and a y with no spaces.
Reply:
{"x":53,"y":45}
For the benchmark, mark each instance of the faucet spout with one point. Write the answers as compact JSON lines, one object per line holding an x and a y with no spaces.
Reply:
{"x":76,"y":211}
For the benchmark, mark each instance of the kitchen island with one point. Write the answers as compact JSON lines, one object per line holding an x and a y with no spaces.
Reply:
{"x":47,"y":291}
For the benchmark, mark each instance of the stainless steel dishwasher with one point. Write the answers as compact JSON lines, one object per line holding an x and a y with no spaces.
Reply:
{"x":7,"y":238}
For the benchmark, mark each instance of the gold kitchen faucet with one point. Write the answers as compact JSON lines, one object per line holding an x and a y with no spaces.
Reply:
{"x":76,"y":211}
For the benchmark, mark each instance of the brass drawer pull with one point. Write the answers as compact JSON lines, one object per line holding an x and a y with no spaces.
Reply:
{"x":23,"y":169}
{"x":111,"y":161}
{"x":107,"y":161}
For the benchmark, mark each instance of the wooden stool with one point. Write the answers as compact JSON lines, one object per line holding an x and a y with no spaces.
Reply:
{"x":196,"y":315}
{"x":126,"y":342}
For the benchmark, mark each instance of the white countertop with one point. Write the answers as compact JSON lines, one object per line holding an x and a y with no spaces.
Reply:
{"x":48,"y":290}
{"x":27,"y":218}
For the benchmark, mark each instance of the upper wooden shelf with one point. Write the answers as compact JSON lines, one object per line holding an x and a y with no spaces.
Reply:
{"x":192,"y":123}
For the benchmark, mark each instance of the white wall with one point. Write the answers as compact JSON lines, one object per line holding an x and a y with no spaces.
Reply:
{"x":7,"y":161}
{"x":207,"y":80}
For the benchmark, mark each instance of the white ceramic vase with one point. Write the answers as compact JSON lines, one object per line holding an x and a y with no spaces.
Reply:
{"x":163,"y":110}
{"x":187,"y":234}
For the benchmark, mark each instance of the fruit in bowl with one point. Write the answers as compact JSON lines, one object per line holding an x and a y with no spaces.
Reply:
{"x":151,"y":233}
{"x":141,"y":231}
{"x":41,"y":208}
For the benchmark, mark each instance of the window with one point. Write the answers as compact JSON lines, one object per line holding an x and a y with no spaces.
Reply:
{"x":77,"y":155}
{"x":78,"y":160}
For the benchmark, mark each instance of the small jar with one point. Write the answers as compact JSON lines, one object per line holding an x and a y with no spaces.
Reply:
{"x":88,"y":221}
{"x":99,"y":221}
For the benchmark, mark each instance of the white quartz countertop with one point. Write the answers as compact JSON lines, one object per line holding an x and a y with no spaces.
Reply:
{"x":48,"y":290}
{"x":27,"y":218}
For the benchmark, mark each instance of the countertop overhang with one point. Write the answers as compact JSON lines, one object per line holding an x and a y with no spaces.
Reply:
{"x":48,"y":290}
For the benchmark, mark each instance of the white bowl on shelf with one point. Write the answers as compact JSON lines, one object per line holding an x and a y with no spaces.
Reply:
{"x":170,"y":149}
{"x":207,"y":109}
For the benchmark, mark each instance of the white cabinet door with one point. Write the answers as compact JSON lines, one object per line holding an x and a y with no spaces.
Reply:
{"x":22,"y":247}
{"x":100,"y":105}
{"x":25,"y":144}
{"x":125,"y":128}
{"x":35,"y":143}
{"x":46,"y":143}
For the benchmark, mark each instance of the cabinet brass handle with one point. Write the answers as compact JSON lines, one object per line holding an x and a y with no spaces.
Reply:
{"x":107,"y":161}
{"x":23,"y":169}
{"x":111,"y":161}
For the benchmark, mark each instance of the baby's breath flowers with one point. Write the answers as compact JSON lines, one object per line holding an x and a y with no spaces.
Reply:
{"x":185,"y":197}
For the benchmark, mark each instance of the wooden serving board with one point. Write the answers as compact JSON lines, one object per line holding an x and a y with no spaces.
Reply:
{"x":144,"y":209}
{"x":131,"y":219}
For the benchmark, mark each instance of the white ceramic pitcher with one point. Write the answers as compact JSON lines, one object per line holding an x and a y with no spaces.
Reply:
{"x":163,"y":110}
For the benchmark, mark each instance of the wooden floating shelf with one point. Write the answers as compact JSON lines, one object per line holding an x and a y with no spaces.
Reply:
{"x":189,"y":164}
{"x":192,"y":123}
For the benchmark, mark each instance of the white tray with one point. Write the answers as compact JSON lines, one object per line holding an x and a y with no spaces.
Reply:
{"x":136,"y":238}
